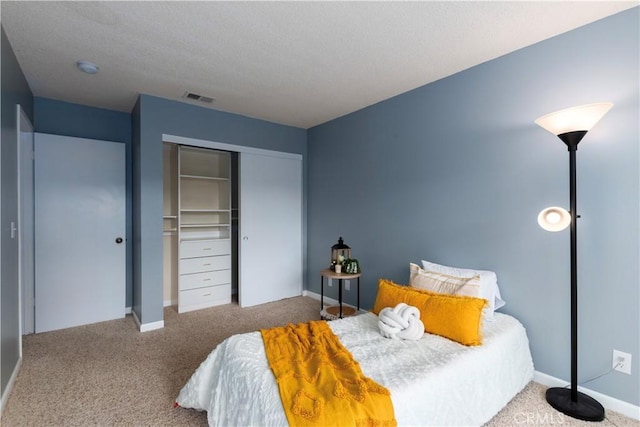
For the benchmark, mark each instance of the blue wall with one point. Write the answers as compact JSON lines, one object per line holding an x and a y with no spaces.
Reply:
{"x":15,"y":90}
{"x":153,"y":117}
{"x":456,"y":172}
{"x":79,"y":121}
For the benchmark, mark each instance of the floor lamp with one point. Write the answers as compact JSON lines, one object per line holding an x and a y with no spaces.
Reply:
{"x":571,"y":125}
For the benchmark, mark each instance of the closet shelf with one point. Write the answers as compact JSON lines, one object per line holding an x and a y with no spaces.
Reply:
{"x":211,"y":178}
{"x":204,"y":225}
{"x":204,"y":210}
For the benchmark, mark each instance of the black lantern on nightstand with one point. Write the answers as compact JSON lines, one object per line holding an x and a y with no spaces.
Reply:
{"x":339,"y":253}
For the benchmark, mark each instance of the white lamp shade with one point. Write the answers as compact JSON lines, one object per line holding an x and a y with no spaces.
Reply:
{"x":554,"y":219}
{"x":580,"y":118}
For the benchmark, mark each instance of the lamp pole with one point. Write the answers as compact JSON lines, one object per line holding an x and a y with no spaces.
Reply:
{"x":571,"y":125}
{"x":574,"y":271}
{"x":575,"y":404}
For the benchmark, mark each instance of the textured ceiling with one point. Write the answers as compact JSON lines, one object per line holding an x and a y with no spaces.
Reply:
{"x":295,"y":63}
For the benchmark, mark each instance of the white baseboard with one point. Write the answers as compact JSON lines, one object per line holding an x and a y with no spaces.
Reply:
{"x":127,"y":310}
{"x":9,"y":387}
{"x":313,"y":295}
{"x":146,"y":327}
{"x":170,"y":302}
{"x":327,"y":300}
{"x":617,"y":405}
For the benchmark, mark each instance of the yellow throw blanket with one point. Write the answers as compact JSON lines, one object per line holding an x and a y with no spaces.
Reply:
{"x":320,"y":382}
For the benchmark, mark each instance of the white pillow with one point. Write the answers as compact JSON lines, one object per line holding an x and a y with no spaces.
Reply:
{"x":442,"y":283}
{"x":488,"y":283}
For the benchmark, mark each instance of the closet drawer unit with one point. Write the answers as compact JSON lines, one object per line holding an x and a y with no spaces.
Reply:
{"x":200,"y":265}
{"x":201,"y":280}
{"x":205,"y":248}
{"x":195,"y":299}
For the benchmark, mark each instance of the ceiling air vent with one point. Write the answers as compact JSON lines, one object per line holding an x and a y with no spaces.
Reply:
{"x":195,"y":97}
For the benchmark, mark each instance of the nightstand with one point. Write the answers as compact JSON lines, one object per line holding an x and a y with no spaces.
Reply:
{"x":340,"y":277}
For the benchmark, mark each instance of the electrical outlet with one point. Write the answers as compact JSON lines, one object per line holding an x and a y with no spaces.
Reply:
{"x":347,"y":286}
{"x":329,"y":282}
{"x":621,"y":362}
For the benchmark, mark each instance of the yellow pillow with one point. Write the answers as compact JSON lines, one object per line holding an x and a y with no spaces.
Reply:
{"x":458,"y":318}
{"x":391,"y":294}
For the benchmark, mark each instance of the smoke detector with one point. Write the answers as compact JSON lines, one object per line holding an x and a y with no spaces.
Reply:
{"x":87,"y":67}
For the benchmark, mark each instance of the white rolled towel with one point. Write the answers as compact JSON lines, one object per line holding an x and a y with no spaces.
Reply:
{"x":401,"y":322}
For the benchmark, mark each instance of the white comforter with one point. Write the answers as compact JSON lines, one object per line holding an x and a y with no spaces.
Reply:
{"x":433,"y":381}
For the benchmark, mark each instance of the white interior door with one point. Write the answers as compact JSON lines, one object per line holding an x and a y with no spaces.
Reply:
{"x":25,"y":221}
{"x":270,"y":227}
{"x":79,"y":231}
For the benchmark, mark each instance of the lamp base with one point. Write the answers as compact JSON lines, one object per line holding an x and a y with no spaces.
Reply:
{"x":585,"y":408}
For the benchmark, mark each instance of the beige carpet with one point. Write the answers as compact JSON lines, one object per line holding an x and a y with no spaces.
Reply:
{"x":109,"y":374}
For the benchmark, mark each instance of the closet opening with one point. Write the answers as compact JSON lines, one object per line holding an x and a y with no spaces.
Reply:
{"x":200,"y":227}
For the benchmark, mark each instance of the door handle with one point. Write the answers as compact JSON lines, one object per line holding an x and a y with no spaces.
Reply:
{"x":118,"y":240}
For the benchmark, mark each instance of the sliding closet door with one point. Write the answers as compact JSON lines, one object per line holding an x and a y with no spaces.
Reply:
{"x":270,"y":235}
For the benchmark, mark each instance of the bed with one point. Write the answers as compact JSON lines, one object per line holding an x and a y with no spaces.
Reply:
{"x":433,"y":380}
